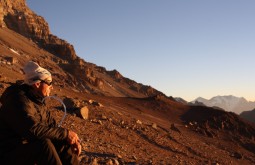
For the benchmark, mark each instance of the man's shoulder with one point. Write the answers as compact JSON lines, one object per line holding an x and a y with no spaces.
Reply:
{"x":14,"y":91}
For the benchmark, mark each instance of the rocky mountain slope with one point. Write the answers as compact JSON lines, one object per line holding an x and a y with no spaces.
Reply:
{"x":228,"y":103}
{"x":248,"y":115}
{"x":128,"y":123}
{"x":82,"y":75}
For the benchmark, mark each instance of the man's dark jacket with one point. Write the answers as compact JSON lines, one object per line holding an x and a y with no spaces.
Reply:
{"x":24,"y":118}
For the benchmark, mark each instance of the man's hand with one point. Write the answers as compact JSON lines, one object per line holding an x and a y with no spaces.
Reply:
{"x":76,"y":148}
{"x":72,"y":137}
{"x":74,"y":141}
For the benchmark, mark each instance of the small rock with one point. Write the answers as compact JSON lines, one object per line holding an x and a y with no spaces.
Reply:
{"x":100,"y":122}
{"x":119,"y":156}
{"x":115,"y":162}
{"x":94,"y":161}
{"x":109,"y":162}
{"x":154,"y":125}
{"x":139,"y":122}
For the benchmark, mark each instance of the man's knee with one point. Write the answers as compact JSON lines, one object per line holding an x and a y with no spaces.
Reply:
{"x":38,"y":152}
{"x":48,"y":153}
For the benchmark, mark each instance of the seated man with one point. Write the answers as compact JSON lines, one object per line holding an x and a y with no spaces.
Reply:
{"x":28,"y":133}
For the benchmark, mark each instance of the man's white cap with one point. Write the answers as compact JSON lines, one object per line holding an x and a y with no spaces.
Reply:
{"x":34,"y":73}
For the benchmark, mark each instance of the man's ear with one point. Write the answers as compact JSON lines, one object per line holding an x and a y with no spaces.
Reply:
{"x":37,"y":84}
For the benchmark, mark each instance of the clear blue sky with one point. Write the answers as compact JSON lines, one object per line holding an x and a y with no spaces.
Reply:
{"x":184,"y":48}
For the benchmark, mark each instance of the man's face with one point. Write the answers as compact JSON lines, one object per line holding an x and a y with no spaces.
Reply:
{"x":45,"y":87}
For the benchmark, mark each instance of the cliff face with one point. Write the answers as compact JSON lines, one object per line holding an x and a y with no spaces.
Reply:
{"x":16,"y":16}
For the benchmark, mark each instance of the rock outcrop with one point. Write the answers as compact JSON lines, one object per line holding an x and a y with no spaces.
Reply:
{"x":16,"y":16}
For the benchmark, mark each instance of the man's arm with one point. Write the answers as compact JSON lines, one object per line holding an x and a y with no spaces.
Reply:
{"x":22,"y":117}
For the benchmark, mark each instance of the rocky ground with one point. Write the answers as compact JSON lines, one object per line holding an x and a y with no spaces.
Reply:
{"x":121,"y":133}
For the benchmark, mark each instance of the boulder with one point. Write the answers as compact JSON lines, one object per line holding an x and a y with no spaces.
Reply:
{"x":83,"y":112}
{"x":71,"y":103}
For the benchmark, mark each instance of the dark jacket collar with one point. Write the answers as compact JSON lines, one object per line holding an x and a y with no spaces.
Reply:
{"x":31,"y":94}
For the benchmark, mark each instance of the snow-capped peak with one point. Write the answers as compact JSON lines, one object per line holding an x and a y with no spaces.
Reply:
{"x":228,"y":103}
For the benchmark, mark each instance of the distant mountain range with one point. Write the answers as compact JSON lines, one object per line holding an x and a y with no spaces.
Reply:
{"x":228,"y":103}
